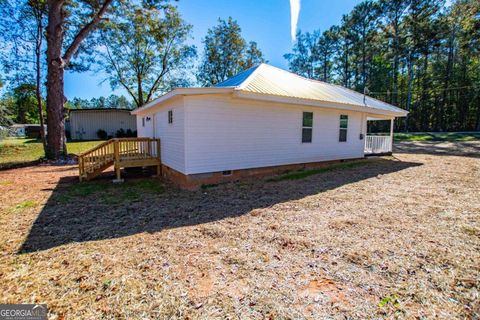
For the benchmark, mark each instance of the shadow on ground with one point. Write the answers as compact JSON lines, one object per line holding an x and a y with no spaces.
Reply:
{"x":78,"y":212}
{"x":439,"y":148}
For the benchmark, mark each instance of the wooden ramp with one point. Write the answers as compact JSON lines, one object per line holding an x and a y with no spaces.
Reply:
{"x":121,"y":153}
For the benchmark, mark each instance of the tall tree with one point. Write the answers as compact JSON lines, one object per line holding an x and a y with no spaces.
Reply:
{"x":22,"y":31}
{"x":24,"y":104}
{"x":393,"y":12}
{"x":226,"y":53}
{"x":73,"y":21}
{"x":325,"y":50}
{"x":145,"y":50}
{"x":305,"y":56}
{"x":364,"y":20}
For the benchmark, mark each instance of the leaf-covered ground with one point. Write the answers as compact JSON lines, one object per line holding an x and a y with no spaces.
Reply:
{"x":396,"y":237}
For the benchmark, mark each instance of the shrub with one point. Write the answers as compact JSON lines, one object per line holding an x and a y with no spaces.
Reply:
{"x":102,"y":134}
{"x":121,"y":133}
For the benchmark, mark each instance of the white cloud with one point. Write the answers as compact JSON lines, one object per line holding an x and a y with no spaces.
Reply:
{"x":294,"y":13}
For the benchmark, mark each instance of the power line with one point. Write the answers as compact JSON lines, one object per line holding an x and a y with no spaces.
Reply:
{"x":434,"y":89}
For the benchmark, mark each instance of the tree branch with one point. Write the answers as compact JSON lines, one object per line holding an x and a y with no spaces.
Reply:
{"x":119,"y":74}
{"x":83,"y":33}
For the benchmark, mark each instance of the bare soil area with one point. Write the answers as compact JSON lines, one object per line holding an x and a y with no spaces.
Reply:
{"x":397,"y":237}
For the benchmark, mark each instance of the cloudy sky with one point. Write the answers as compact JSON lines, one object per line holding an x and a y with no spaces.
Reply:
{"x":268,"y":22}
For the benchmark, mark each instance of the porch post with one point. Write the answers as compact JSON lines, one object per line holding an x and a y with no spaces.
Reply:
{"x":391,"y":134}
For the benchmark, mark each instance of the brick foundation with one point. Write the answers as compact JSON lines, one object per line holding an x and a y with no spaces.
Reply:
{"x":195,"y":181}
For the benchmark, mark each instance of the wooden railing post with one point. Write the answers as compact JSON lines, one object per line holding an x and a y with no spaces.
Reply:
{"x":80,"y":167}
{"x":159,"y":156}
{"x":116,"y":152}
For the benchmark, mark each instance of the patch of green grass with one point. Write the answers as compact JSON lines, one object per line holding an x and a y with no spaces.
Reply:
{"x":77,"y":147}
{"x":390,"y":300}
{"x":107,"y":283}
{"x":109,"y":193}
{"x":306,"y":173}
{"x":208,"y":186}
{"x":25,"y":205}
{"x":437,"y":136}
{"x":18,"y":151}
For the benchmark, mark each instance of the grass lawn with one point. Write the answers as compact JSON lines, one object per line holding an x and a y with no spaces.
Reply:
{"x":306,"y":173}
{"x":390,"y":238}
{"x":437,"y":136}
{"x":18,"y":151}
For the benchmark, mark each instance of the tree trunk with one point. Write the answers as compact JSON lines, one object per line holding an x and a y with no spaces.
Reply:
{"x":448,"y":71}
{"x":38,"y":93}
{"x":395,"y":77}
{"x":325,"y":72}
{"x":56,"y":146}
{"x":140,"y":92}
{"x":409,"y":93}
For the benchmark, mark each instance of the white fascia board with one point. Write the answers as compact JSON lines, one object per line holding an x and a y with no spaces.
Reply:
{"x":179,"y":92}
{"x":316,"y":103}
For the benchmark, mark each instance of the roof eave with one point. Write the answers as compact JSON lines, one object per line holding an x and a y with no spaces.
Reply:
{"x":179,"y":92}
{"x":317,"y":103}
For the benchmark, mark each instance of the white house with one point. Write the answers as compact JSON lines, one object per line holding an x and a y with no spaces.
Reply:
{"x":263,"y":120}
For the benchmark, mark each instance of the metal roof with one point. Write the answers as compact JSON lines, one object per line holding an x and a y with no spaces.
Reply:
{"x":268,"y":80}
{"x":238,"y":79}
{"x":268,"y":83}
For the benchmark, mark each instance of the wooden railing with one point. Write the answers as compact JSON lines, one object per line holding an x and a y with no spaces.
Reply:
{"x":378,"y":144}
{"x":92,"y":160}
{"x":120,"y":152}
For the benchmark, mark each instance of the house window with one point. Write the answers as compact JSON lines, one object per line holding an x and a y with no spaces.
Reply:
{"x":170,"y":116}
{"x":343,"y":128}
{"x":307,"y":125}
{"x":143,"y":122}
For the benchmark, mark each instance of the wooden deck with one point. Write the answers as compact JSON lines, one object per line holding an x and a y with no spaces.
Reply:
{"x":119,"y":153}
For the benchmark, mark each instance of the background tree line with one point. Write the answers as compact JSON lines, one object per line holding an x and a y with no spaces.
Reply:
{"x":417,"y":54}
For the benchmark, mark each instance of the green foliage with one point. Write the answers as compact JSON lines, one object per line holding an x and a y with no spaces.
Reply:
{"x":420,"y":55}
{"x":145,"y":50}
{"x":25,"y":205}
{"x":390,"y":300}
{"x":102,"y":134}
{"x":226,"y":53}
{"x":110,"y":102}
{"x":429,"y":136}
{"x":122,"y":133}
{"x":303,"y":174}
{"x":5,"y":120}
{"x":23,"y":104}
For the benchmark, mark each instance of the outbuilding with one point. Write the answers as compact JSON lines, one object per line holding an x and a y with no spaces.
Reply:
{"x":84,"y":124}
{"x":264,"y":120}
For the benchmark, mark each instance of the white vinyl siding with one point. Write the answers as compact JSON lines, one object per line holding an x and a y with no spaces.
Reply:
{"x":224,"y":133}
{"x":84,"y":124}
{"x":172,"y":135}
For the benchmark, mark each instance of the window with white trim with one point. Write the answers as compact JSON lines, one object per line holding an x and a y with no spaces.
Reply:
{"x":343,"y":128}
{"x":170,"y":116}
{"x":307,"y":127}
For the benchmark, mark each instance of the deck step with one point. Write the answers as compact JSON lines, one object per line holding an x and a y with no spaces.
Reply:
{"x":122,"y":153}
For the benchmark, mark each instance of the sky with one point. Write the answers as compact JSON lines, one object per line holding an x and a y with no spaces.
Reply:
{"x":268,"y":22}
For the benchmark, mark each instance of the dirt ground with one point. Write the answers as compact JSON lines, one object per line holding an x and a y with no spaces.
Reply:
{"x":398,"y":237}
